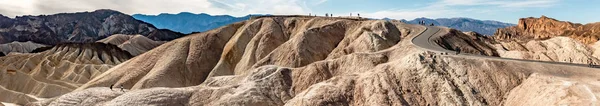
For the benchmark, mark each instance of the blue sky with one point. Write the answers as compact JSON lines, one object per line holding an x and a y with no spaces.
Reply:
{"x":579,"y":11}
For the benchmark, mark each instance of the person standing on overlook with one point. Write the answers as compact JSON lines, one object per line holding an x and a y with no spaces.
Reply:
{"x":457,"y":50}
{"x":590,"y":63}
{"x":122,"y":89}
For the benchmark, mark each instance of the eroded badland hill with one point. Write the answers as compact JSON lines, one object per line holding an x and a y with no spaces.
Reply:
{"x":297,"y":60}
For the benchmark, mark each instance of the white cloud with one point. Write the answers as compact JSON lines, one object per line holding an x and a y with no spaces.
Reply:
{"x":280,"y":7}
{"x":460,"y":2}
{"x":233,"y":7}
{"x":530,"y":3}
{"x":37,"y":7}
{"x":409,"y":14}
{"x":320,"y":2}
{"x":499,"y":3}
{"x":448,"y":8}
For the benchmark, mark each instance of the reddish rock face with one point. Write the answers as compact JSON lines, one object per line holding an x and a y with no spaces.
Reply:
{"x":545,"y":28}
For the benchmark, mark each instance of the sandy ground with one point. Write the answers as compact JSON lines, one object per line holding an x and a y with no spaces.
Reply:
{"x":9,"y":104}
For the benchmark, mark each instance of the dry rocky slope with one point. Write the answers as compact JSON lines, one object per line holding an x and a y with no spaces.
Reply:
{"x":545,"y":28}
{"x":329,"y":61}
{"x":20,"y":47}
{"x":62,"y":69}
{"x":548,"y":39}
{"x":134,"y":44}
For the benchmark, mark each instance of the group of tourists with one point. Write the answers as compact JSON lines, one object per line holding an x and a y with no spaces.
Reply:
{"x":422,"y":22}
{"x":329,"y":15}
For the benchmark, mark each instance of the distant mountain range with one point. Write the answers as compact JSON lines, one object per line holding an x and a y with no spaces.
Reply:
{"x":486,"y":27}
{"x":77,"y":27}
{"x":186,"y":22}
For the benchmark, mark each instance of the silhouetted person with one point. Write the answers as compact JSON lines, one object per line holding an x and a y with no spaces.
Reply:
{"x":122,"y":89}
{"x":326,"y":15}
{"x":358,"y":14}
{"x":457,"y":50}
{"x":590,"y":63}
{"x":431,"y":24}
{"x":111,"y":86}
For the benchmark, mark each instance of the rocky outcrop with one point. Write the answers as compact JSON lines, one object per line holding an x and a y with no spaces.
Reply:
{"x":545,"y":28}
{"x":54,"y":72}
{"x":76,"y":27}
{"x":247,"y":45}
{"x":553,"y":90}
{"x":20,"y":47}
{"x":466,"y":42}
{"x":558,"y":49}
{"x":548,"y":39}
{"x":134,"y":44}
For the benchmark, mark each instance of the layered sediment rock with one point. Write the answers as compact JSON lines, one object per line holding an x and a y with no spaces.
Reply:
{"x":558,"y":49}
{"x":20,"y":47}
{"x":134,"y":44}
{"x":469,"y":42}
{"x":548,"y":39}
{"x":54,"y":72}
{"x":545,"y":28}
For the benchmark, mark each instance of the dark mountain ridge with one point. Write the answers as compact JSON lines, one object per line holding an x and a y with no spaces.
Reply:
{"x":76,"y":27}
{"x":486,"y":27}
{"x":186,"y":22}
